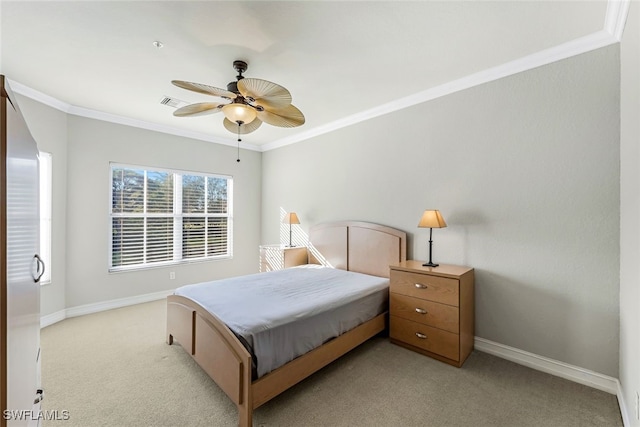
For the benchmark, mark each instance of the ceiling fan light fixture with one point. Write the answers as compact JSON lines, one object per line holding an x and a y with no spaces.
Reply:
{"x":239,"y":113}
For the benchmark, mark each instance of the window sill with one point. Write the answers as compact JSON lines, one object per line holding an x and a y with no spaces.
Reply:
{"x":167,"y":264}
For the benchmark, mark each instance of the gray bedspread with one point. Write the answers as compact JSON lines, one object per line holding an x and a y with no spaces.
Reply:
{"x":283,"y":314}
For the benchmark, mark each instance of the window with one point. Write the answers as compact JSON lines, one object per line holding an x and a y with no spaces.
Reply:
{"x":161,"y":217}
{"x":45,"y":167}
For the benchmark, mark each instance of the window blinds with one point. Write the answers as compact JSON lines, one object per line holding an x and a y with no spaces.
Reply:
{"x":160,"y":216}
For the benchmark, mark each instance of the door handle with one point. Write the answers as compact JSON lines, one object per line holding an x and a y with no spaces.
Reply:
{"x":39,"y":268}
{"x":39,"y":396}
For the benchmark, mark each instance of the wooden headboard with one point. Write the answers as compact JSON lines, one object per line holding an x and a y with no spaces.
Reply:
{"x":357,"y":246}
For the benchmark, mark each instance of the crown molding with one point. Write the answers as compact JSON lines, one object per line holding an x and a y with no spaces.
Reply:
{"x":42,"y":98}
{"x":127,"y":121}
{"x":614,"y":22}
{"x":615,"y":19}
{"x":575,"y":47}
{"x":122,"y":120}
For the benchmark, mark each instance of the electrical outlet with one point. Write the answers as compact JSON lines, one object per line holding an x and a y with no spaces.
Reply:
{"x":172,"y":275}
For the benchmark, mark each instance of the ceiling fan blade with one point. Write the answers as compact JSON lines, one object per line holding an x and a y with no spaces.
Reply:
{"x":206,"y":89}
{"x":244,"y":129}
{"x":264,"y":93}
{"x":200,"y":109}
{"x":287,"y":117}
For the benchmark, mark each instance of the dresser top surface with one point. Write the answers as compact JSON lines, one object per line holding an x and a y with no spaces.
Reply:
{"x":281,"y":246}
{"x":445,"y":270}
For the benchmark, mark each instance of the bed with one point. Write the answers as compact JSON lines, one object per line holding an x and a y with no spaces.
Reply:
{"x":225,"y":355}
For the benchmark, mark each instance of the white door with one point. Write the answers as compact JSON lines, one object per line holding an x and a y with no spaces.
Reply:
{"x":23,"y":268}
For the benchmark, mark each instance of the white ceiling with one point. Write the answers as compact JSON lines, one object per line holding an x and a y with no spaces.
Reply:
{"x":338,"y":59}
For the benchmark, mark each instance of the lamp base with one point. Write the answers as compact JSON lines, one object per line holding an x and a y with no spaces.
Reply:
{"x":430,"y":264}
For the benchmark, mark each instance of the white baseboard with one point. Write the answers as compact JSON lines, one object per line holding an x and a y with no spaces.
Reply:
{"x":81,"y":310}
{"x":626,"y":421}
{"x":560,"y":369}
{"x":52,"y":318}
{"x":550,"y":366}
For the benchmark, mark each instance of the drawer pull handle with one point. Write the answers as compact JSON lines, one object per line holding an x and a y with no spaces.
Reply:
{"x":421,"y":286}
{"x":421,"y":311}
{"x":421,"y":336}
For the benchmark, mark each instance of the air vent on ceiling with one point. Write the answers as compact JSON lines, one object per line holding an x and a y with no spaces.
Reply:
{"x":172,"y":102}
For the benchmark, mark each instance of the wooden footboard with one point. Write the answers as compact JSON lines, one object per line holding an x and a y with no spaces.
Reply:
{"x":215,"y":348}
{"x":223,"y":357}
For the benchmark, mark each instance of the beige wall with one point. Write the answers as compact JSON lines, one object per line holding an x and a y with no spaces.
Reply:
{"x":82,"y":149}
{"x":526,"y":173}
{"x":92,"y":145}
{"x":630,"y":214}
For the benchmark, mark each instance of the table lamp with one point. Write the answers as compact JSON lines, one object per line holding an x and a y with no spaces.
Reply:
{"x":431,"y":219}
{"x":290,"y":218}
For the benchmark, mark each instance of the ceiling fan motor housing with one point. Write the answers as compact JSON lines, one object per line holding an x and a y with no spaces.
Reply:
{"x":240,"y":67}
{"x":233,"y":87}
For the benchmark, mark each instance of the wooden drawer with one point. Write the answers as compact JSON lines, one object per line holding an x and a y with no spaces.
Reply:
{"x":425,"y":337}
{"x":430,"y":313}
{"x":432,"y":288}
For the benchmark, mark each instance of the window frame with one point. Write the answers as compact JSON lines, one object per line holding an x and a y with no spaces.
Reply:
{"x":177,"y":214}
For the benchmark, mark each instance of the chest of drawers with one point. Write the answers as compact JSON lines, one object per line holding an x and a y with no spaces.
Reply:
{"x":277,"y":257}
{"x":431,"y":310}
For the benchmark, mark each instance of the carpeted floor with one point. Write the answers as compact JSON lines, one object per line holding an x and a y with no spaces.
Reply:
{"x":115,"y":369}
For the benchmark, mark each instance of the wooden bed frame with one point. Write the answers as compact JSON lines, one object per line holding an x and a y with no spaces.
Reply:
{"x":348,"y":245}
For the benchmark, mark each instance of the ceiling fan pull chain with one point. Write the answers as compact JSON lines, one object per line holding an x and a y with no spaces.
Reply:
{"x":238,"y":160}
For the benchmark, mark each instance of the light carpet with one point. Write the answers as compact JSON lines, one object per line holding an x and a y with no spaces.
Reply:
{"x":114,"y":369}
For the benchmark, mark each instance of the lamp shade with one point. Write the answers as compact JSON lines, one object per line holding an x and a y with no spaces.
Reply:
{"x":237,"y":112}
{"x":432,"y":219}
{"x":291,"y":218}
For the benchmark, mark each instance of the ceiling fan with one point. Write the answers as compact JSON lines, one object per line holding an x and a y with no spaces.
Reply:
{"x":247,"y":103}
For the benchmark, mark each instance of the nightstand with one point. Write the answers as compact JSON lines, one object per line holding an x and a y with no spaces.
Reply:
{"x":431,"y":310}
{"x":277,"y":257}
